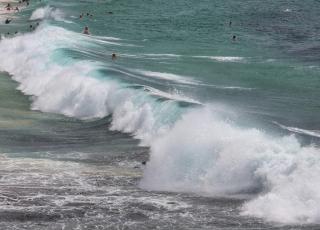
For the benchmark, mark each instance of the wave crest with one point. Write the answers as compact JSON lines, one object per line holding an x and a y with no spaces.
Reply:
{"x":47,"y":12}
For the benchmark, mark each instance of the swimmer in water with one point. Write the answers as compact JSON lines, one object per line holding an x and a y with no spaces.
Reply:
{"x":7,"y":21}
{"x":86,"y":30}
{"x":113,"y":56}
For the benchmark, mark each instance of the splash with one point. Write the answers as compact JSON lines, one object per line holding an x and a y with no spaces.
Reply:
{"x":47,"y":12}
{"x":206,"y":154}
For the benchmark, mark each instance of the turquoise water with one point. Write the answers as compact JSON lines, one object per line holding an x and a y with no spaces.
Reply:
{"x":228,"y":128}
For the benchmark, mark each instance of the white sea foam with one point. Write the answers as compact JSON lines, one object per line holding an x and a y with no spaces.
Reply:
{"x":205,"y":154}
{"x":201,"y":152}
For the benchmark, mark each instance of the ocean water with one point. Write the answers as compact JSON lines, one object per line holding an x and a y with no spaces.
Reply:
{"x":229,"y":128}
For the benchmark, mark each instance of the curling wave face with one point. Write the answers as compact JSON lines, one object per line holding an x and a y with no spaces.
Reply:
{"x":60,"y":85}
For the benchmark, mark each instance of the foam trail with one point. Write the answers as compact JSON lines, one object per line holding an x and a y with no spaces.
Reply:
{"x":313,"y":133}
{"x":222,"y":58}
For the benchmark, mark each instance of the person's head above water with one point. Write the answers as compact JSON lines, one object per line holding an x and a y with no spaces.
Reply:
{"x":86,"y":30}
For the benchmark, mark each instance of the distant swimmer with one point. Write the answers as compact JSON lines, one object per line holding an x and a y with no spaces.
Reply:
{"x":110,"y":12}
{"x":234,"y":37}
{"x":80,"y":16}
{"x":7,"y":21}
{"x":17,"y":9}
{"x":86,"y":30}
{"x":114,"y":56}
{"x":230,"y":23}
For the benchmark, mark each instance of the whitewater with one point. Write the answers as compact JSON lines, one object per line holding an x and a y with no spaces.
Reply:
{"x":204,"y":137}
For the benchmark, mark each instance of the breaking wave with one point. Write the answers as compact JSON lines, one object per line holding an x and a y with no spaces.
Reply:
{"x":47,"y":12}
{"x":192,"y":150}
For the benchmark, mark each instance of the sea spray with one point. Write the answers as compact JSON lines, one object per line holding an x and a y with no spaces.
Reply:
{"x":206,"y":154}
{"x":47,"y":12}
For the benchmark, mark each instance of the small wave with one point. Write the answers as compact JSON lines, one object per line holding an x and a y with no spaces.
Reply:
{"x":106,"y":40}
{"x":228,"y":87}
